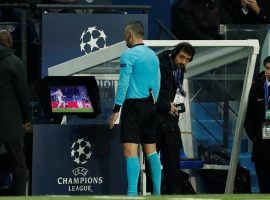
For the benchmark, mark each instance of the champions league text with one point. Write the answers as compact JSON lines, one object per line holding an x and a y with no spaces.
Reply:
{"x":79,"y":184}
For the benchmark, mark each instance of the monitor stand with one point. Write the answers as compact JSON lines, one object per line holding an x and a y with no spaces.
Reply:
{"x":64,"y":120}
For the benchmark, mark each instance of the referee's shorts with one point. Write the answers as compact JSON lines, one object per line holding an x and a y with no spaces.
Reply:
{"x":138,"y":121}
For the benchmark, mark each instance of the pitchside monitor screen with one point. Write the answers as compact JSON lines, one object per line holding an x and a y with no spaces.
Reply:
{"x":70,"y":95}
{"x":70,"y":99}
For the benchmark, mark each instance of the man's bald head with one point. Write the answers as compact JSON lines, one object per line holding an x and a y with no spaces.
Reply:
{"x":6,"y":38}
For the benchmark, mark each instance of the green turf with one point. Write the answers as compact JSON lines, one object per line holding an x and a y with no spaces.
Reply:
{"x":71,"y":110}
{"x":172,"y":197}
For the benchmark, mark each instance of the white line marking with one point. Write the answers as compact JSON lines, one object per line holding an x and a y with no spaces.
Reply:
{"x":114,"y":197}
{"x":180,"y":198}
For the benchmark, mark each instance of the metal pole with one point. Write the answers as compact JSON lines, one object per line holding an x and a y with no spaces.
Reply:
{"x":240,"y":125}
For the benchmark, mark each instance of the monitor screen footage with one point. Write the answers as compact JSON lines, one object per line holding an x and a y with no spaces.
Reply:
{"x":70,"y":95}
{"x":71,"y":99}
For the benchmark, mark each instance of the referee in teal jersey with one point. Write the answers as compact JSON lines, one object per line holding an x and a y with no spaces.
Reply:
{"x":137,"y":92}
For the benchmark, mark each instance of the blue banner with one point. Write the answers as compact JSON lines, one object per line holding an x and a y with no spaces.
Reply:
{"x":66,"y":36}
{"x":75,"y":160}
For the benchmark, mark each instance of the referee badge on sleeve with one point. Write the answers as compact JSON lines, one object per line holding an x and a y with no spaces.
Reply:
{"x":123,"y":65}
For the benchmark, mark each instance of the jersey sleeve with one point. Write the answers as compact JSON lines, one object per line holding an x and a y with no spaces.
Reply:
{"x":126,"y":65}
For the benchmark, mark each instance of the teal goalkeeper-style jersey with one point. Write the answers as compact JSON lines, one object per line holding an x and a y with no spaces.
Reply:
{"x":139,"y":72}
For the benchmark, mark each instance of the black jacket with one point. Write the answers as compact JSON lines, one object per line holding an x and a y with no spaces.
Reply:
{"x":254,"y":119}
{"x":167,"y":88}
{"x":251,"y":17}
{"x":14,"y":106}
{"x":199,"y":19}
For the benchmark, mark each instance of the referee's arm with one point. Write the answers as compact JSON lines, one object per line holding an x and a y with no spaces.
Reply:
{"x":123,"y":84}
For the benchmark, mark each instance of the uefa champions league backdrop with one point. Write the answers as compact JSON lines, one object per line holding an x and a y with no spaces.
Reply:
{"x":68,"y":36}
{"x":82,"y":159}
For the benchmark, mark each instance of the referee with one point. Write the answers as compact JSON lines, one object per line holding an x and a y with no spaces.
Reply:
{"x":137,"y":91}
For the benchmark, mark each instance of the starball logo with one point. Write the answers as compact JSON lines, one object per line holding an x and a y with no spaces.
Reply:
{"x":80,"y":151}
{"x":80,"y":154}
{"x":92,"y":39}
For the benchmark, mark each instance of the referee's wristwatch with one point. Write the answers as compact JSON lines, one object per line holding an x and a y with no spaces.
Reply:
{"x":116,"y":108}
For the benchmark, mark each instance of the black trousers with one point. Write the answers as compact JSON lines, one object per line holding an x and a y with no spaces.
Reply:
{"x":14,"y":162}
{"x":263,"y":174}
{"x":169,"y":143}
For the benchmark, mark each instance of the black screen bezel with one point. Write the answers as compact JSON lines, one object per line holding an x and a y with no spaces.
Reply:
{"x":88,"y":81}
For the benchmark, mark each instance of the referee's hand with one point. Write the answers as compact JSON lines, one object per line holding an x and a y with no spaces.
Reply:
{"x":113,"y":119}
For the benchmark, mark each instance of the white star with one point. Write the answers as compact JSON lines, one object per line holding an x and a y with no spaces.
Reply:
{"x":72,"y":153}
{"x":77,"y":160}
{"x":82,"y":46}
{"x":91,"y":29}
{"x":80,"y":150}
{"x":88,"y":144}
{"x":82,"y":35}
{"x":80,"y":140}
{"x":73,"y":145}
{"x":93,"y":43}
{"x":102,"y":34}
{"x":88,"y":156}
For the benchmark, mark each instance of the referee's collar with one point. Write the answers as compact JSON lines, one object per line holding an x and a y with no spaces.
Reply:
{"x":137,"y":44}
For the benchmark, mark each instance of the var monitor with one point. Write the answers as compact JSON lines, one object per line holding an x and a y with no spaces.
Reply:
{"x":70,"y":95}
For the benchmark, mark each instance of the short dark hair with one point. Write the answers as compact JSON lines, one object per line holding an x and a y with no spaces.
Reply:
{"x":136,"y":27}
{"x":184,"y":46}
{"x":266,"y":60}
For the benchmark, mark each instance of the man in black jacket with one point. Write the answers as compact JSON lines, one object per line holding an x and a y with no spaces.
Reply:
{"x":257,"y":110}
{"x":252,"y":12}
{"x":199,"y":19}
{"x":169,"y":142}
{"x":14,"y":114}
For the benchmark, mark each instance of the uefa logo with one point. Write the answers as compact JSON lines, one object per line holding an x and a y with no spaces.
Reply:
{"x":92,"y":40}
{"x":80,"y":151}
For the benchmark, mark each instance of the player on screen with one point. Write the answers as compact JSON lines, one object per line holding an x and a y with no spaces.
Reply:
{"x":60,"y":98}
{"x":79,"y":102}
